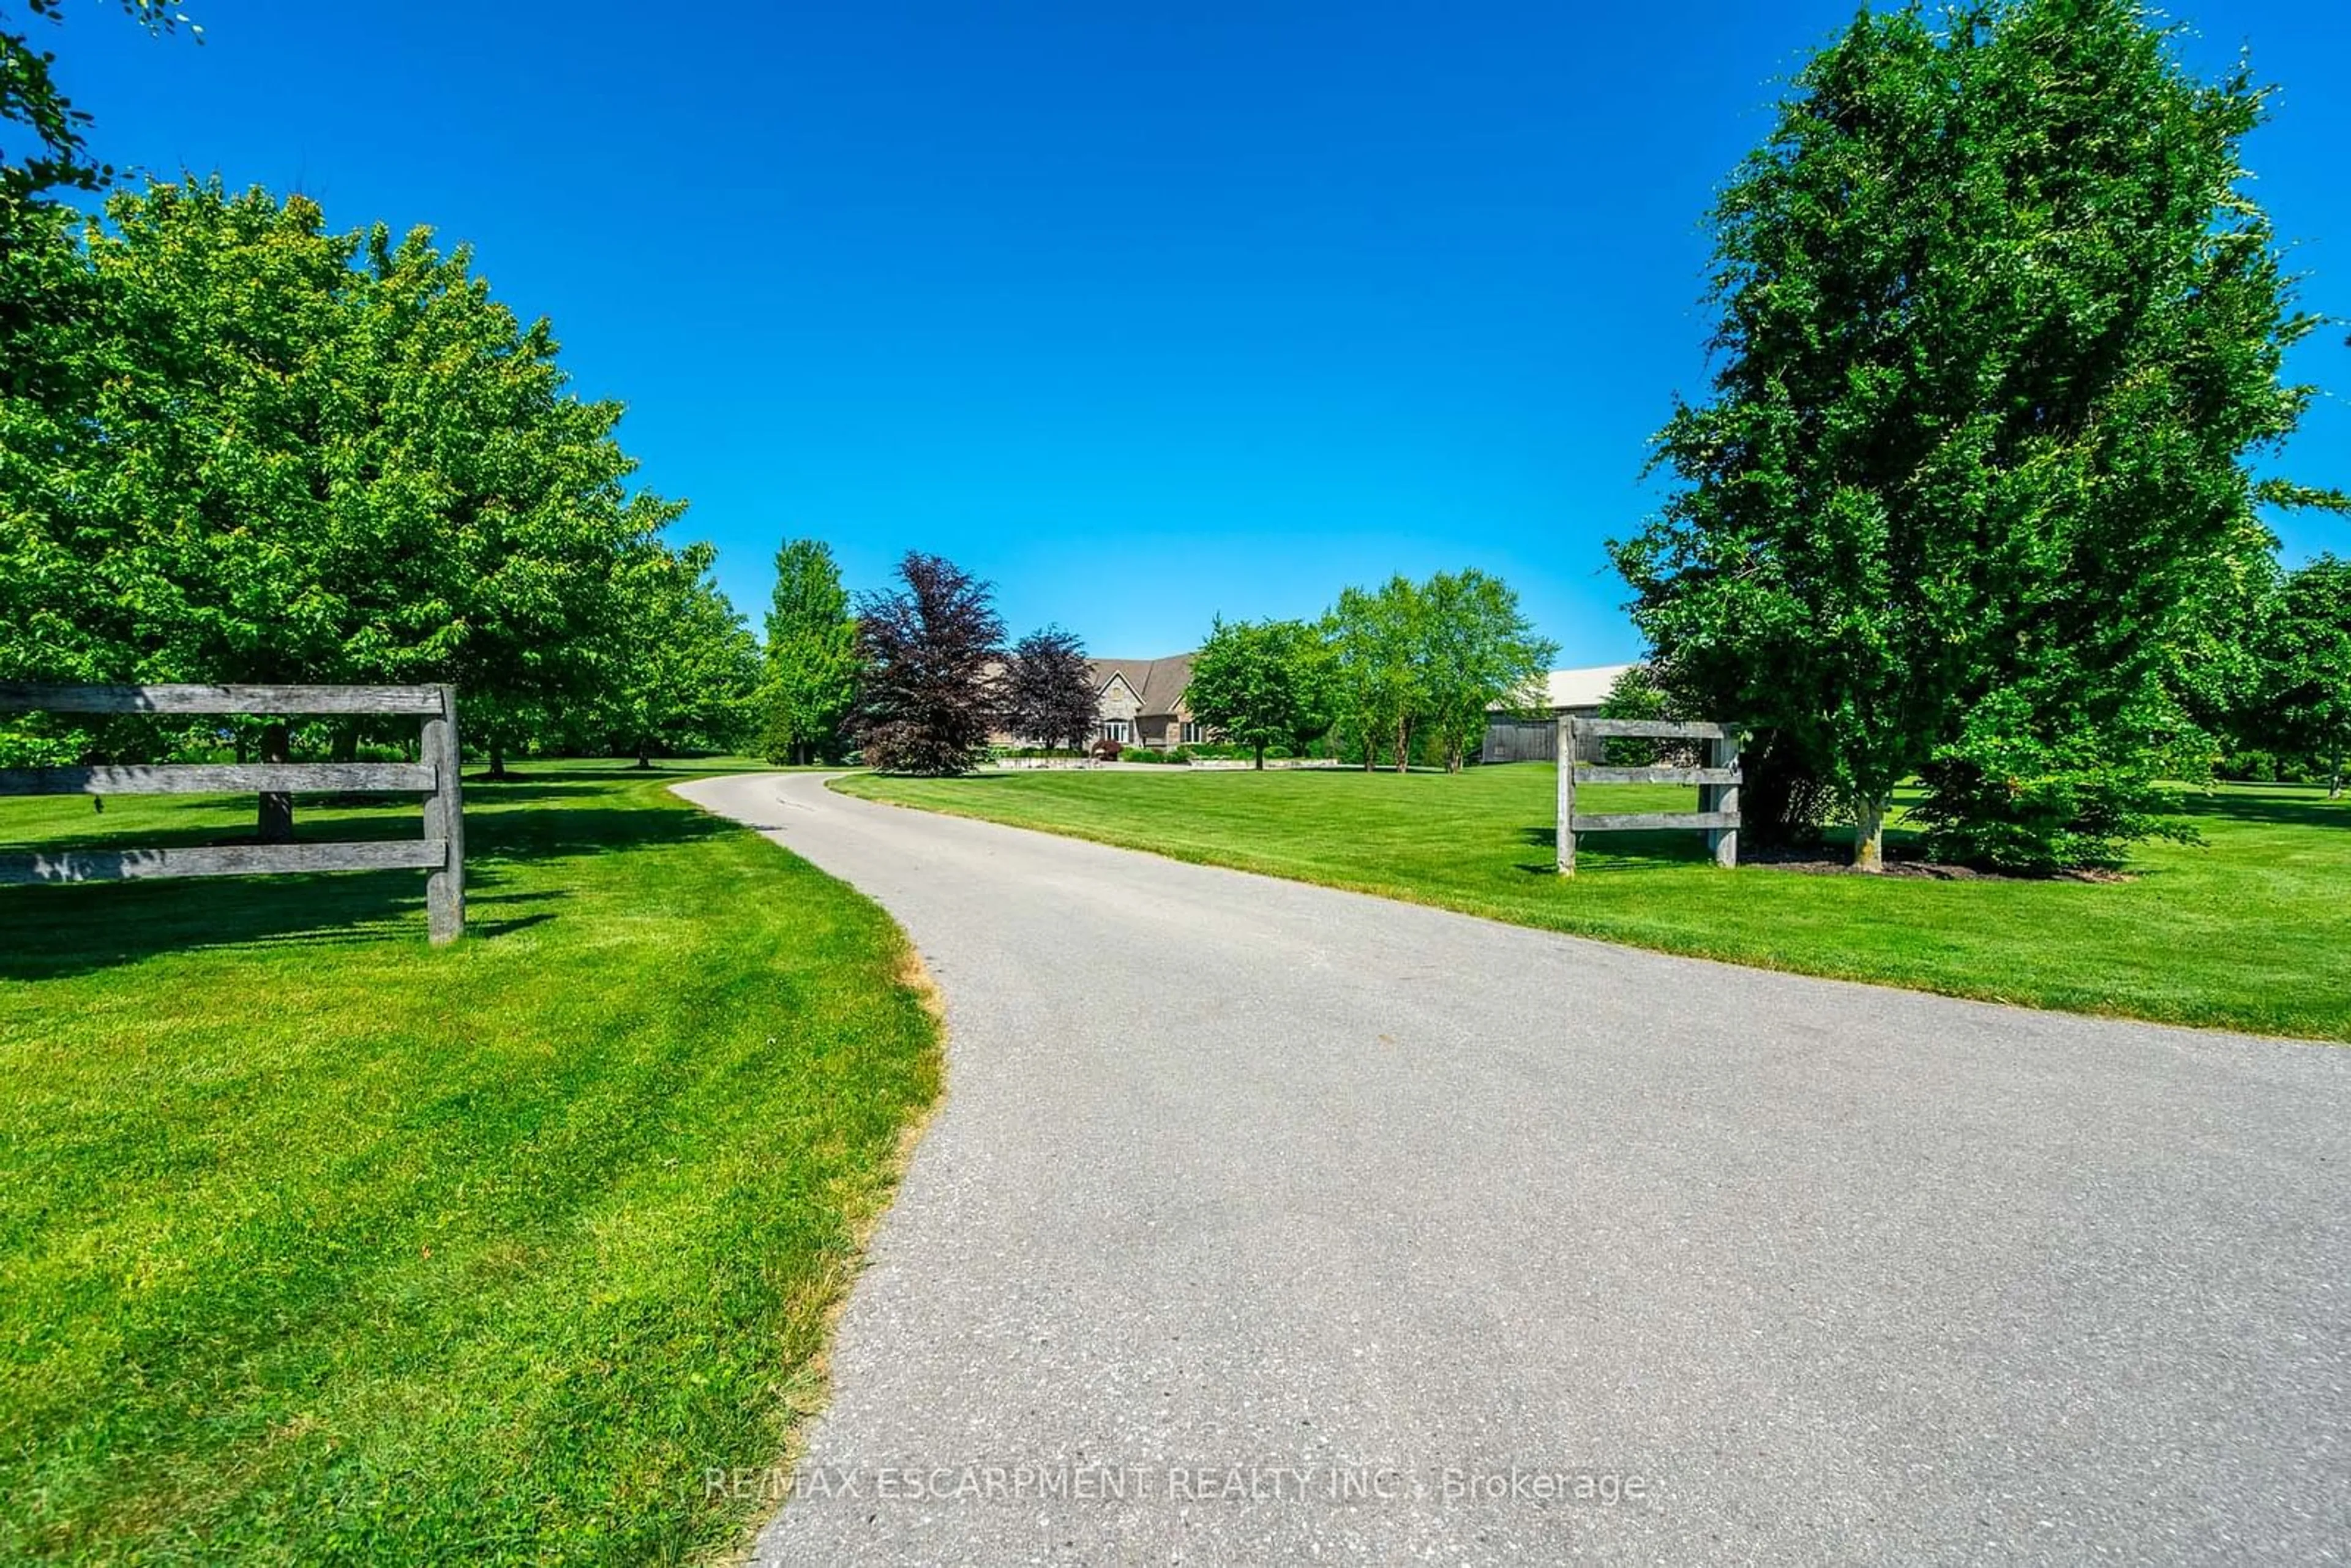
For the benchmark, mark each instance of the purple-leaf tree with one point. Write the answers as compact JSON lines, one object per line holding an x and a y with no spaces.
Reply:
{"x":933,"y":654}
{"x":1048,"y":690}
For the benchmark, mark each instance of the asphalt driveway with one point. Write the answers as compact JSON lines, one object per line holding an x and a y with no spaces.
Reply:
{"x":1264,"y":1223}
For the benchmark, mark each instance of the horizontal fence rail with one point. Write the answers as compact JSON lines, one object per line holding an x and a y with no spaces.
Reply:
{"x":225,"y":779}
{"x":1658,"y":728}
{"x":220,"y":860}
{"x":294,"y":701}
{"x":1659,"y":775}
{"x":1718,"y":783}
{"x":1645,"y":822}
{"x":434,"y":775}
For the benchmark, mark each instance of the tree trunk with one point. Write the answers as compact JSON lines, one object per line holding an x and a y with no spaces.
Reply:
{"x":2334,"y":776}
{"x":1403,"y":743}
{"x":275,"y":823}
{"x":346,"y":747}
{"x":1869,"y":835}
{"x":645,"y":754}
{"x":1260,"y":764}
{"x":497,"y":757}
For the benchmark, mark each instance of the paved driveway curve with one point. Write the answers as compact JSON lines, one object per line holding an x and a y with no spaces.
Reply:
{"x":1263,"y":1223}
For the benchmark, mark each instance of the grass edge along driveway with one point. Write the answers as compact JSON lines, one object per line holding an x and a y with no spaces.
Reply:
{"x":2247,"y":931}
{"x":320,"y":1245}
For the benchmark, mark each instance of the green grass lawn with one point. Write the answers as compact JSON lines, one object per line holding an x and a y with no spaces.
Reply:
{"x":2251,"y":931}
{"x":319,"y":1244}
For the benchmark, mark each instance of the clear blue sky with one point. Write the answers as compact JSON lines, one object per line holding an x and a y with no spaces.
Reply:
{"x":1145,"y":311}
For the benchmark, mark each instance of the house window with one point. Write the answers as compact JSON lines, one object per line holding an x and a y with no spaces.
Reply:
{"x":1192,"y":734}
{"x":1117,"y":729}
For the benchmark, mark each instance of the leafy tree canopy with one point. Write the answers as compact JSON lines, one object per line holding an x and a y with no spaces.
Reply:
{"x":1999,"y":330}
{"x":932,"y":651}
{"x":1477,"y":649}
{"x":267,"y":450}
{"x":1048,"y":690}
{"x":679,"y":669}
{"x":1372,"y":639}
{"x":1430,"y":659}
{"x":812,"y":655}
{"x":2306,"y":656}
{"x":1259,"y":683}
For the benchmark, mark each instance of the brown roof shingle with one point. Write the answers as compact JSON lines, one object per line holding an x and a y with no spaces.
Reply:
{"x":1158,"y":683}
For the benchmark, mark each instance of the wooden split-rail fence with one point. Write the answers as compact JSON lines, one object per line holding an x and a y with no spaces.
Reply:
{"x":1716,"y":781}
{"x":441,"y":851}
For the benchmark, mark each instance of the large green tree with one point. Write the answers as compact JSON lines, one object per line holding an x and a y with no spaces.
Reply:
{"x":53,"y":616}
{"x":2305,"y":657}
{"x":1427,"y":660}
{"x":1999,"y":329}
{"x":1372,"y":639}
{"x":48,"y":368}
{"x":280,"y":453}
{"x":812,"y":655}
{"x":1260,"y":684}
{"x":1477,"y":650}
{"x":679,"y":670}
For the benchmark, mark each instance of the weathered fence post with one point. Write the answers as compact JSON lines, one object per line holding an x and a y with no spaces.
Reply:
{"x":1566,"y":795}
{"x":444,"y":819}
{"x":1723,"y":799}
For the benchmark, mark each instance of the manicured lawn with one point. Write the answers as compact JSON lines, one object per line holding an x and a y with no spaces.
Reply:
{"x":321,"y":1245}
{"x":2251,"y":931}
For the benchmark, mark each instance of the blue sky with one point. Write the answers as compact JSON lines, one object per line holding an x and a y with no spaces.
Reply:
{"x":1146,"y":311}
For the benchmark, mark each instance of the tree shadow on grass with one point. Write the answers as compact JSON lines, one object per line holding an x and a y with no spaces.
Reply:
{"x":54,"y":932}
{"x":551,"y":833}
{"x":2311,"y":810}
{"x":49,"y":931}
{"x":1625,"y":852}
{"x":520,"y":792}
{"x":488,"y":928}
{"x":965,"y":781}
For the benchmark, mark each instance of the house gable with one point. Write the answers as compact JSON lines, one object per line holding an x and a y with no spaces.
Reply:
{"x":1145,"y":697}
{"x":1117,"y":698}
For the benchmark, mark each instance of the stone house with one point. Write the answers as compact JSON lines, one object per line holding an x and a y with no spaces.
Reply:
{"x":1141,"y":702}
{"x":1138,"y":702}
